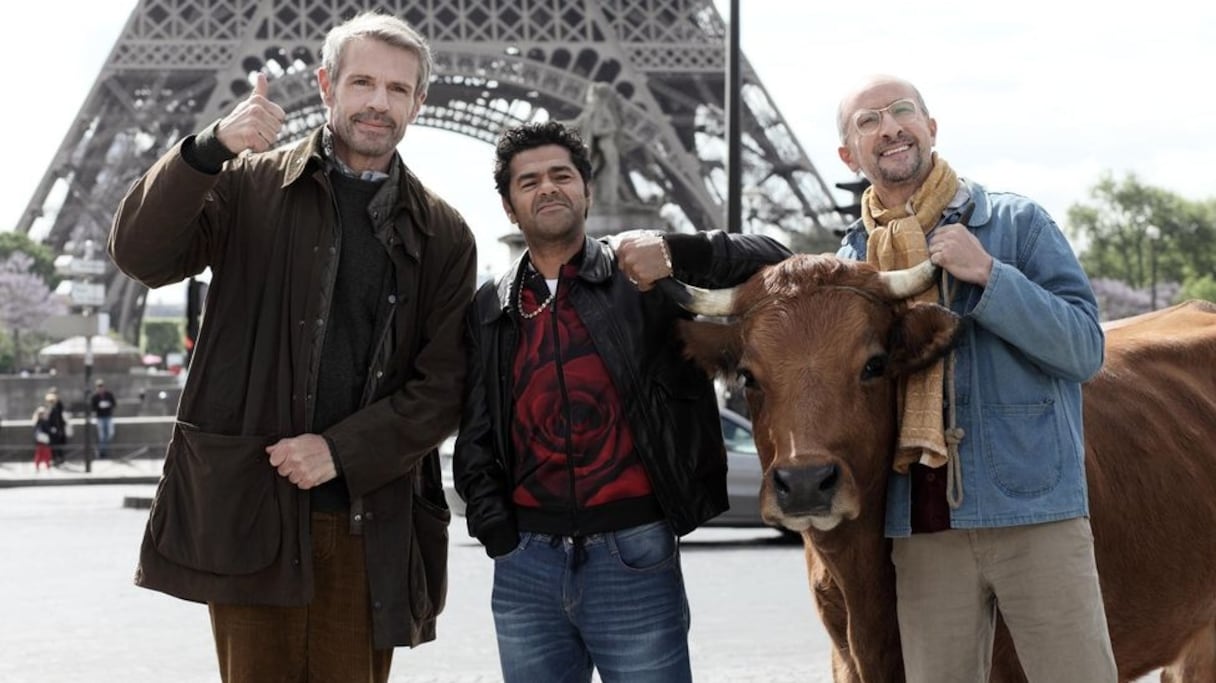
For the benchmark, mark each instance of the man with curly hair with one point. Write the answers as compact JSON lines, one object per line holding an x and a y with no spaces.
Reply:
{"x":588,"y":443}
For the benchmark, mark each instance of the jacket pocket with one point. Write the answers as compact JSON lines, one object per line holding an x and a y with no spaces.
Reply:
{"x":1022,"y":447}
{"x":429,"y":558}
{"x":216,"y":509}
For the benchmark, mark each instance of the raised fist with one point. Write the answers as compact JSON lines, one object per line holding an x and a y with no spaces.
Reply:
{"x":643,"y":256}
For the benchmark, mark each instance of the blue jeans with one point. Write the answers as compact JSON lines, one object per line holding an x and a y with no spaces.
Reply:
{"x":613,"y":602}
{"x":105,"y":434}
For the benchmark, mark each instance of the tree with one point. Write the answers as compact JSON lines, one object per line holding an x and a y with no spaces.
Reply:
{"x":1117,"y":299}
{"x":25,"y":299}
{"x":1115,"y":237}
{"x":8,"y":358}
{"x":44,"y":259}
{"x":1200,"y":288}
{"x":162,"y":337}
{"x":1142,"y":245}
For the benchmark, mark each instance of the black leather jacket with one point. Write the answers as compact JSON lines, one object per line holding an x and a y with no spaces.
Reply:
{"x":669,"y":401}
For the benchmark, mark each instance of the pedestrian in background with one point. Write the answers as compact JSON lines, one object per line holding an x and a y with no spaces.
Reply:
{"x":42,"y":439}
{"x":58,"y":426}
{"x":103,"y":409}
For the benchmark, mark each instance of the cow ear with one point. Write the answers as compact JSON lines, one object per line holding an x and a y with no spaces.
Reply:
{"x":713,"y":346}
{"x":923,"y":334}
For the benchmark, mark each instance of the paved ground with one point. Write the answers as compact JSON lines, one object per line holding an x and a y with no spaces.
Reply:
{"x":69,"y":612}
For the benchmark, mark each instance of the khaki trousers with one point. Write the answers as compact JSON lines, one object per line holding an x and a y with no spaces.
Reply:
{"x":1041,"y":577}
{"x":328,"y":641}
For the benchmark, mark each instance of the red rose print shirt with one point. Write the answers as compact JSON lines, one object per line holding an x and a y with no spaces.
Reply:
{"x":573,"y":445}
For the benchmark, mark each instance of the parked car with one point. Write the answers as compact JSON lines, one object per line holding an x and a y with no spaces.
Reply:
{"x":743,"y":474}
{"x":742,"y":479}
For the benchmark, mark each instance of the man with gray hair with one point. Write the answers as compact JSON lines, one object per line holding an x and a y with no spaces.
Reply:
{"x":301,"y":497}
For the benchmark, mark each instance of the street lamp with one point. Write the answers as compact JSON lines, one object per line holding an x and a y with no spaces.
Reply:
{"x":89,"y":296}
{"x":1153,"y":233}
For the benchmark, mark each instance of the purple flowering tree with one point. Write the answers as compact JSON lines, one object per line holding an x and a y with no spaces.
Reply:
{"x":1117,"y":299}
{"x":25,"y":300}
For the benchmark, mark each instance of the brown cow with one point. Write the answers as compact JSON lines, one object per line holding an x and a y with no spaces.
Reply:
{"x":818,"y":343}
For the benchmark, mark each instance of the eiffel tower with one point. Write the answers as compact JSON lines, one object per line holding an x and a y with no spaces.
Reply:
{"x":179,"y":64}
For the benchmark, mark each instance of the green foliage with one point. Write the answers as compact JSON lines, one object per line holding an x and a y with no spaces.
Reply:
{"x":44,"y":258}
{"x":8,"y":355}
{"x":18,"y":349}
{"x":1115,"y":236}
{"x":1203,"y":287}
{"x":162,"y":337}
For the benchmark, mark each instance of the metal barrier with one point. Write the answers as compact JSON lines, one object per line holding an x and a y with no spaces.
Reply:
{"x":134,"y":438}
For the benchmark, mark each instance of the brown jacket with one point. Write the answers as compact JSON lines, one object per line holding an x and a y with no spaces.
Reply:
{"x":224,"y":526}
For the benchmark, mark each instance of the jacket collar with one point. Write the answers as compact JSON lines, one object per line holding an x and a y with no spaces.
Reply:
{"x":598,"y":265}
{"x":983,"y":206}
{"x":305,"y":154}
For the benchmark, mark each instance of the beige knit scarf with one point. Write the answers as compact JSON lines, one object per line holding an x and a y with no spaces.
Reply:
{"x":897,"y":240}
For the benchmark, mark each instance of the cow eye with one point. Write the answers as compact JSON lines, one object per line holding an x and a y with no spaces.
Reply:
{"x":875,"y":367}
{"x":747,"y":379}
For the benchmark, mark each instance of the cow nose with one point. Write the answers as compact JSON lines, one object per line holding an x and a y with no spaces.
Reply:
{"x":805,"y":490}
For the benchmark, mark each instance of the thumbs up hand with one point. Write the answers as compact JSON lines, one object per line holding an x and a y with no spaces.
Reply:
{"x":254,"y":124}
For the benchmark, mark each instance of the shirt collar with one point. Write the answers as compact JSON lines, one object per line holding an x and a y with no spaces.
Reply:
{"x":336,"y":164}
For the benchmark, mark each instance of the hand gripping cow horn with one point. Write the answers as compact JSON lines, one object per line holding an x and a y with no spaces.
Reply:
{"x":912,"y":281}
{"x":709,"y":302}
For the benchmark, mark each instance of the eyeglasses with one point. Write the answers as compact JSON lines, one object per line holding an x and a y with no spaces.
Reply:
{"x":868,"y":121}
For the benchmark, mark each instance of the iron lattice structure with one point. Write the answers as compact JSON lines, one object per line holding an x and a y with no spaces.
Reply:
{"x":180,"y":64}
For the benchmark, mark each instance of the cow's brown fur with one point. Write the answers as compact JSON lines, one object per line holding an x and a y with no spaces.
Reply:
{"x":808,"y":327}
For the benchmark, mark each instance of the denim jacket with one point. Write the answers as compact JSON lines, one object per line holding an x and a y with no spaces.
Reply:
{"x":1028,"y":341}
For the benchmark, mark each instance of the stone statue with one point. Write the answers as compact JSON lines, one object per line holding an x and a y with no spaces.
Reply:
{"x":600,"y":125}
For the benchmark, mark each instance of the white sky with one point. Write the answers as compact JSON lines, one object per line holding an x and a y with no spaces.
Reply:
{"x":1039,"y":98}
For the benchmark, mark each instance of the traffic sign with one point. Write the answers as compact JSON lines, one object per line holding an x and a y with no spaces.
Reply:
{"x":71,"y":266}
{"x":87,"y":294}
{"x":70,"y":325}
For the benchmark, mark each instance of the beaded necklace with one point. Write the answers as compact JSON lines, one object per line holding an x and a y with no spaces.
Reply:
{"x":519,"y":302}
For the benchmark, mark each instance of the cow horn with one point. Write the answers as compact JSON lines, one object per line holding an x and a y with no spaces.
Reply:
{"x":711,"y":302}
{"x":909,"y":282}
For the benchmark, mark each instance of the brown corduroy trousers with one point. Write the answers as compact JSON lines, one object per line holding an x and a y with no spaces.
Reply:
{"x":327,"y":641}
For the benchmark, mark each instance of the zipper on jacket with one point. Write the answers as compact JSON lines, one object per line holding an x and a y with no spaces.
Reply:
{"x":505,"y":350}
{"x":561,"y":385}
